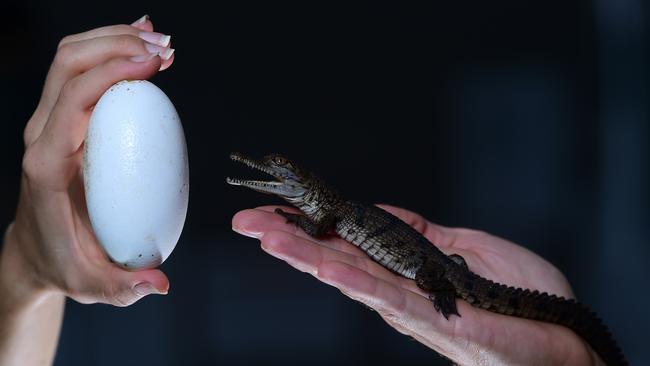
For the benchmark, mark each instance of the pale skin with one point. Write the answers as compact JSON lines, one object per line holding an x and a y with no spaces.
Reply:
{"x":478,"y":337}
{"x":49,"y":250}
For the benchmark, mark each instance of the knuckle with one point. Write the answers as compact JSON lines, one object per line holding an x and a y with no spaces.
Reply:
{"x":392,"y":318}
{"x":29,"y":134}
{"x":64,"y":41}
{"x":122,"y":29}
{"x":111,"y":296}
{"x":122,"y":299}
{"x":32,"y":163}
{"x":115,"y":294}
{"x":127,"y":40}
{"x":34,"y":126}
{"x":68,"y":91}
{"x":100,"y":290}
{"x":418,"y":222}
{"x":64,"y":55}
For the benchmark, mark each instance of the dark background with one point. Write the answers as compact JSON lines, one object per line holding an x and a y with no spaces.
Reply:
{"x":524,"y":119}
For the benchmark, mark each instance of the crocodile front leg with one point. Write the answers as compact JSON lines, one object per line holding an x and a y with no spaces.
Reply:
{"x":315,"y":229}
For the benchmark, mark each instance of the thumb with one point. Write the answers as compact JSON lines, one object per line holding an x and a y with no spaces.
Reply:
{"x":125,"y":288}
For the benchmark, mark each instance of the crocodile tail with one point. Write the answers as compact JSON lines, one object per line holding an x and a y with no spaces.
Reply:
{"x":537,"y":305}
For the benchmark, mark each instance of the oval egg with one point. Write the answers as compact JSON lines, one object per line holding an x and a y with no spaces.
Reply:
{"x":136,"y":174}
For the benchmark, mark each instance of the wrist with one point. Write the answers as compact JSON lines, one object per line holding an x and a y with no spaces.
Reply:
{"x":19,"y":288}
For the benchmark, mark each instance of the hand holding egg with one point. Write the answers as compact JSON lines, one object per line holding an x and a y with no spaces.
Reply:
{"x":51,"y":247}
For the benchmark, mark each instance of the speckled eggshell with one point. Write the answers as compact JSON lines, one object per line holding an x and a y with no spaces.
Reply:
{"x":136,"y":174}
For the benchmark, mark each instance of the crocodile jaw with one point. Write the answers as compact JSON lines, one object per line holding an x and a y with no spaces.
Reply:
{"x":284,"y":186}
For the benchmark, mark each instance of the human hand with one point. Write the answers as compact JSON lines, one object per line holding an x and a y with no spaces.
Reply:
{"x":477,"y":337}
{"x":50,"y":247}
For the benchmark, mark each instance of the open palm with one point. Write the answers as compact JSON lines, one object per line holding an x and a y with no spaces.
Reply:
{"x":477,"y":337}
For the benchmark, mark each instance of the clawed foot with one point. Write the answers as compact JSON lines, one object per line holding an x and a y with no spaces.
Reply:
{"x":430,"y":278}
{"x":445,"y":303}
{"x":308,"y":226}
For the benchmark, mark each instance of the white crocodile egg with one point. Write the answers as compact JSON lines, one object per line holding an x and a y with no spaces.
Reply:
{"x":136,"y":174}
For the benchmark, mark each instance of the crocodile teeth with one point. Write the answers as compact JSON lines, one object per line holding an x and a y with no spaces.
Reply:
{"x":251,"y":183}
{"x":251,"y":163}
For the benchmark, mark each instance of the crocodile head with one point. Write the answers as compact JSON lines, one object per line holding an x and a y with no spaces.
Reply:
{"x":290,"y":182}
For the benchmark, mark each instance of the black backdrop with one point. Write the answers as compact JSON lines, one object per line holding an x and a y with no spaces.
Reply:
{"x":524,"y":119}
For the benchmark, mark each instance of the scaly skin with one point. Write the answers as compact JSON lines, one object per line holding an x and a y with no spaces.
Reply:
{"x":401,"y":249}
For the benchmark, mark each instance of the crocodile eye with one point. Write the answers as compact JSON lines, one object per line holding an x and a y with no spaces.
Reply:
{"x":279,"y":160}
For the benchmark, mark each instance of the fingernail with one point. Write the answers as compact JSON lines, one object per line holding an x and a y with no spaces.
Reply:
{"x":165,"y":53}
{"x":250,"y":234}
{"x":165,"y":39}
{"x":163,"y":66}
{"x":144,"y":58}
{"x":156,"y":38}
{"x":145,"y":288}
{"x":141,"y":20}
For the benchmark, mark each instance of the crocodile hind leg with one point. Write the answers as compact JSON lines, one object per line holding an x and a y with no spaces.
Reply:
{"x":430,"y":278}
{"x":315,"y":229}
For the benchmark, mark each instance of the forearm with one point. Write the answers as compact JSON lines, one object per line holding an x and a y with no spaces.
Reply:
{"x":30,"y":318}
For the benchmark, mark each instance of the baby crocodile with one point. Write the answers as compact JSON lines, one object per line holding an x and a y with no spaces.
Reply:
{"x":401,"y":249}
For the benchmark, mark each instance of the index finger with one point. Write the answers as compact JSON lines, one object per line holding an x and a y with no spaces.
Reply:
{"x":110,"y":30}
{"x":65,"y":131}
{"x":262,"y":220}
